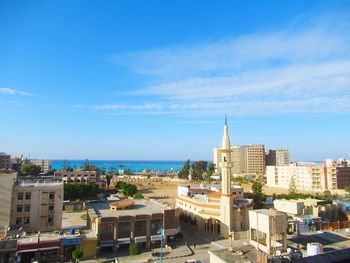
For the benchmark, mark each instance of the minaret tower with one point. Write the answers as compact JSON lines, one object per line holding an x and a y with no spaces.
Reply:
{"x":226,"y":200}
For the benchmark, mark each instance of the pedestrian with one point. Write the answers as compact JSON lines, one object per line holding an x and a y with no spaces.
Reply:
{"x":194,"y":246}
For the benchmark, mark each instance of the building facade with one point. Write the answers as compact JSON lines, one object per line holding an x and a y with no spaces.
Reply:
{"x":277,"y":157}
{"x":37,"y":206}
{"x":132,"y":221}
{"x":246,"y":159}
{"x":46,"y":165}
{"x":77,"y":176}
{"x":4,"y":161}
{"x":331,"y":175}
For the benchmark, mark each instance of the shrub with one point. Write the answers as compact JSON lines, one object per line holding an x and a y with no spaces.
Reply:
{"x":134,"y":249}
{"x":138,"y":196}
{"x":76,"y":255}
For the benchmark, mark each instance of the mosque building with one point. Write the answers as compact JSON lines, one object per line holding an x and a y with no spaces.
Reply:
{"x":214,"y":208}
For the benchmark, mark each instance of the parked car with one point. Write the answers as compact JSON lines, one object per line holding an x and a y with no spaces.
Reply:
{"x":193,"y":261}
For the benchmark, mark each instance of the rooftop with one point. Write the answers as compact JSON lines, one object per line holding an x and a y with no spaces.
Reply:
{"x":267,"y":212}
{"x":243,"y":254}
{"x":141,"y":207}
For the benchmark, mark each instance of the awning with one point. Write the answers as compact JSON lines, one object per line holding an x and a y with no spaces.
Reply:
{"x":106,"y":243}
{"x":171,"y":232}
{"x":156,"y":237}
{"x":140,"y":239}
{"x":48,"y":248}
{"x":27,"y":250}
{"x":122,"y":241}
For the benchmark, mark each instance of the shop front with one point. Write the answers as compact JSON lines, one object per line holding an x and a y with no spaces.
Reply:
{"x":45,"y":251}
{"x":68,"y":246}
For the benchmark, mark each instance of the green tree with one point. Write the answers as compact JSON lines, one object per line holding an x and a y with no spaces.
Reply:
{"x":240,"y":180}
{"x":211,"y":169}
{"x":185,"y":170}
{"x":327,"y":195}
{"x":199,"y":168}
{"x":129,"y":189}
{"x":108,"y":180}
{"x":73,"y":191}
{"x":77,"y":255}
{"x":128,"y":171}
{"x":138,"y":196}
{"x":134,"y":249}
{"x":259,"y":197}
{"x":29,"y":169}
{"x":292,"y":187}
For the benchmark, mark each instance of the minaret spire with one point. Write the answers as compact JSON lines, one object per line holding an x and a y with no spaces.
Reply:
{"x":225,"y":138}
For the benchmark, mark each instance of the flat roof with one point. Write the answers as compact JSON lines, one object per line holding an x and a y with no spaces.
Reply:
{"x":266,"y":212}
{"x":142,"y":207}
{"x":74,"y":219}
{"x":243,"y":254}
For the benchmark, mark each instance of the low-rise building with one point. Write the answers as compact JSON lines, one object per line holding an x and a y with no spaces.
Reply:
{"x":268,"y":230}
{"x":45,"y":165}
{"x":37,"y":206}
{"x":132,"y":221}
{"x":4,"y":161}
{"x":77,"y":176}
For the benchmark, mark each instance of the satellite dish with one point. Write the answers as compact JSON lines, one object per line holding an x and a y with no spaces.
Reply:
{"x":278,"y":253}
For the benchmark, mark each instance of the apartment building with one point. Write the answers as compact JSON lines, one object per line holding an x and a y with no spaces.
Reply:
{"x":303,"y":178}
{"x":132,"y":221}
{"x":46,"y":165}
{"x":330,"y":175}
{"x":246,"y":159}
{"x":37,"y":206}
{"x":4,"y":161}
{"x":277,"y":157}
{"x":77,"y":176}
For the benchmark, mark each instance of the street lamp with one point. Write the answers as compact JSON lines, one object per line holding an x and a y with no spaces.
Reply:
{"x":161,"y":233}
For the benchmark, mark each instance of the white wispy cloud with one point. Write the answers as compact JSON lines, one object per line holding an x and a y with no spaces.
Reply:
{"x":9,"y":91}
{"x":297,"y":69}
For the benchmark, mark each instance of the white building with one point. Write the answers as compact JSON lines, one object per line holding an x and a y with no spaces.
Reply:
{"x":46,"y":165}
{"x":268,"y":230}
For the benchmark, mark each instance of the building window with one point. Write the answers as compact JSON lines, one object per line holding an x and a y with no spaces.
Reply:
{"x":50,"y":221}
{"x":26,"y":221}
{"x":19,"y":208}
{"x":52,"y":196}
{"x":18,"y":221}
{"x":27,"y":209}
{"x":20,"y":196}
{"x":51,"y":208}
{"x":28,"y":196}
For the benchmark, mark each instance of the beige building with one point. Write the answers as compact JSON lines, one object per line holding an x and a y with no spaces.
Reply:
{"x":277,"y":157}
{"x":37,"y":206}
{"x":246,"y":159}
{"x":46,"y":165}
{"x":4,"y":161}
{"x":267,"y":230}
{"x":132,"y":221}
{"x":314,"y":178}
{"x":77,"y":176}
{"x":323,"y":209}
{"x":220,"y":211}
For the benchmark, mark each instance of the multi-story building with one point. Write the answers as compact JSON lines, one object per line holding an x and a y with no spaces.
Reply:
{"x":268,"y":230}
{"x":132,"y":221}
{"x":246,"y":159}
{"x":277,"y":157}
{"x":331,"y":175}
{"x":304,"y":178}
{"x":77,"y":176}
{"x":46,"y":165}
{"x":37,"y":206}
{"x":4,"y":161}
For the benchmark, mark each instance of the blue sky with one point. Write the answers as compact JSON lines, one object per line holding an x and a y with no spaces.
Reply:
{"x":154,"y":79}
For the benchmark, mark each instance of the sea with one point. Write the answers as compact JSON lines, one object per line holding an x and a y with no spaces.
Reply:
{"x":134,"y":166}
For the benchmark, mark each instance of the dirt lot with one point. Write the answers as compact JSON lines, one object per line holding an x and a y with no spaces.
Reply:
{"x":166,"y":191}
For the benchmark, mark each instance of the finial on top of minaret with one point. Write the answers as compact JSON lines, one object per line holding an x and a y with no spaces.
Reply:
{"x":225,"y":139}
